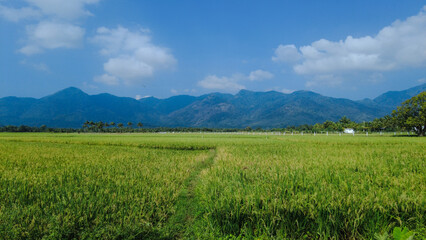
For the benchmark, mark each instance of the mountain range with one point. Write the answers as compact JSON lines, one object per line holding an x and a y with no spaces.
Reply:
{"x":71,"y":107}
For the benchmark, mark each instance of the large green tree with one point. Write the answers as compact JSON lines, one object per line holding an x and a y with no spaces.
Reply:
{"x":345,"y":122}
{"x":411,"y":115}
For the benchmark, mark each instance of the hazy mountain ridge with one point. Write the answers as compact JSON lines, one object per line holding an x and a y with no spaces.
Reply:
{"x":71,"y":107}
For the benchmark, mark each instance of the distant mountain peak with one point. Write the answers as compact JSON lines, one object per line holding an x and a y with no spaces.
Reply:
{"x":394,"y":98}
{"x":70,"y":91}
{"x":70,"y":107}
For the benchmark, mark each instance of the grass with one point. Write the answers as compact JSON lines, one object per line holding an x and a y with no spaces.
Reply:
{"x":210,"y":186}
{"x":67,"y":191}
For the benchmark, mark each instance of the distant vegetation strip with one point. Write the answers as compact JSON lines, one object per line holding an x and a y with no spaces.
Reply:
{"x":71,"y":107}
{"x":410,"y":116}
{"x":116,"y":144}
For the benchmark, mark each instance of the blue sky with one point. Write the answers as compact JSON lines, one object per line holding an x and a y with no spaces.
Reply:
{"x":135,"y":48}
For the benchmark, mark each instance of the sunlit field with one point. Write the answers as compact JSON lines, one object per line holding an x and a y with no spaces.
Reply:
{"x":210,"y":186}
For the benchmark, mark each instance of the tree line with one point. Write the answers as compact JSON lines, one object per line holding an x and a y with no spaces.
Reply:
{"x":410,"y":116}
{"x":90,"y":126}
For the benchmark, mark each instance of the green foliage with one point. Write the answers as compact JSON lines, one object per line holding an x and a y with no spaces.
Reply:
{"x":385,"y":123}
{"x":210,"y":186}
{"x":384,"y":236}
{"x":404,"y":234}
{"x":412,"y":114}
{"x":345,"y":122}
{"x":397,"y":234}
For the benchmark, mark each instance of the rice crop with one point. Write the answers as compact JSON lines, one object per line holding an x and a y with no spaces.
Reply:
{"x":67,"y":191}
{"x":210,"y":186}
{"x":314,"y":188}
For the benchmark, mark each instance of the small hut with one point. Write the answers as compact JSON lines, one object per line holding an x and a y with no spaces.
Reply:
{"x":349,"y":130}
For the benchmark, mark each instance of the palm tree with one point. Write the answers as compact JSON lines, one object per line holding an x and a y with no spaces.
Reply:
{"x":112,"y":124}
{"x":100,"y":126}
{"x":129,"y":124}
{"x":120,"y":125}
{"x":85,"y":125}
{"x":91,"y":125}
{"x":106,"y":125}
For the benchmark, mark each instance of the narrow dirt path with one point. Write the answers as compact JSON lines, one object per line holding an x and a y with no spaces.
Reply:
{"x":186,"y":203}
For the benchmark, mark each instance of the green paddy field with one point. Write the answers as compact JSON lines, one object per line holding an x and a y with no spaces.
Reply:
{"x":210,"y":186}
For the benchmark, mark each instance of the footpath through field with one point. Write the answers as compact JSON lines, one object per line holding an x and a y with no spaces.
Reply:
{"x":206,"y":186}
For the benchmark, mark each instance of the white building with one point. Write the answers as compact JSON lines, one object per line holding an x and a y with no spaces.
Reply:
{"x":349,"y":130}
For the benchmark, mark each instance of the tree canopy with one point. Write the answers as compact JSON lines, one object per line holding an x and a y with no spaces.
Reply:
{"x":412,"y":114}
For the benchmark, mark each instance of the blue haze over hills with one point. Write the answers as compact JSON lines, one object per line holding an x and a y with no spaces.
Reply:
{"x":71,"y":107}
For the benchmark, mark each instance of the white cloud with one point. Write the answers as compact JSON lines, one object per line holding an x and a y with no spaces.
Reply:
{"x":286,"y":53}
{"x":51,"y":35}
{"x":400,"y":45}
{"x":192,"y":90}
{"x":287,"y":91}
{"x":232,"y":84}
{"x":421,"y":80}
{"x":30,"y":50}
{"x":260,"y":75}
{"x":42,"y":67}
{"x":107,"y":79}
{"x":56,"y":23}
{"x":131,"y":54}
{"x":184,"y":91}
{"x":89,"y":86}
{"x":63,"y":9}
{"x":376,"y":77}
{"x":115,"y":41}
{"x":324,"y":79}
{"x":139,"y":97}
{"x":128,"y":68}
{"x":18,"y":14}
{"x":228,"y":84}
